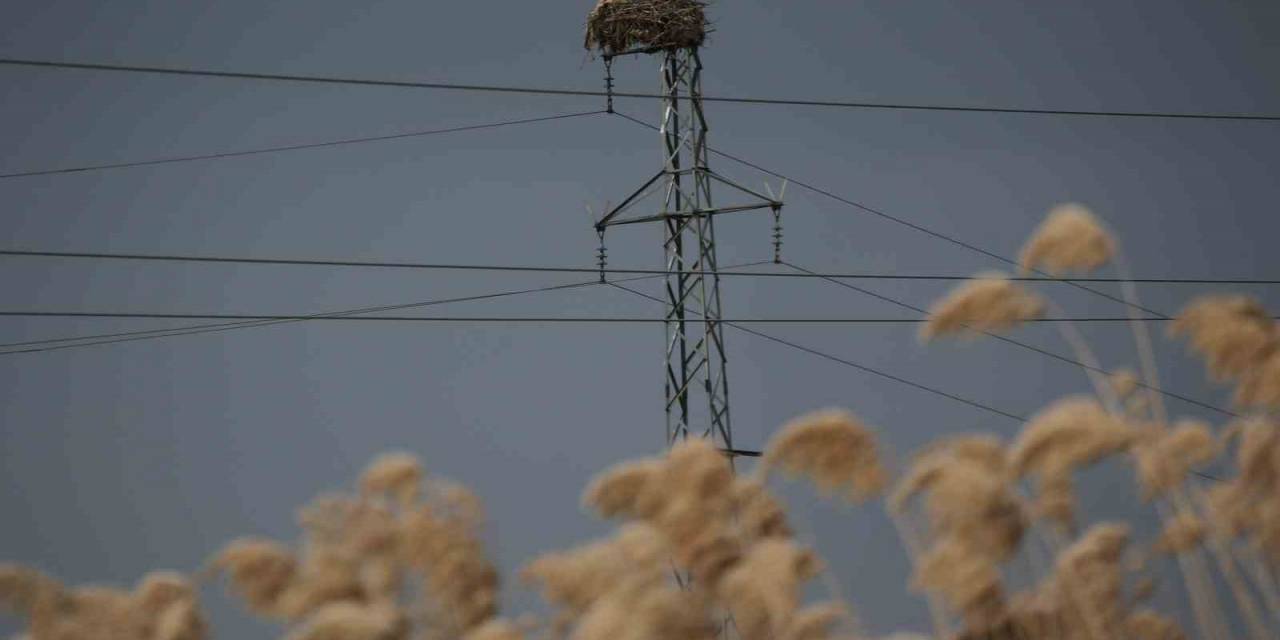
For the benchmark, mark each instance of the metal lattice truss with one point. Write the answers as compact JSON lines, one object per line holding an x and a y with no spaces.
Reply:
{"x":695,"y":338}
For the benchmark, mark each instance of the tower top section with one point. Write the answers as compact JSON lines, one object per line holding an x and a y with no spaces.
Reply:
{"x":620,"y":27}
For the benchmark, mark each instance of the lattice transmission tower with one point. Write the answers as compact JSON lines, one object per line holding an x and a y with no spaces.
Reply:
{"x":695,"y":348}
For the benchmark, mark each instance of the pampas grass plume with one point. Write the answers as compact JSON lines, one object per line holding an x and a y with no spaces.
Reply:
{"x":1149,"y":625}
{"x":353,"y":621}
{"x":1070,"y":239}
{"x":1068,"y":434}
{"x":617,"y":491}
{"x":1089,"y":570}
{"x":1232,"y":333}
{"x":763,"y":590}
{"x":760,"y":513}
{"x":1181,"y":533}
{"x":496,"y":629}
{"x":833,"y":449}
{"x":398,"y":474}
{"x":1165,"y":457}
{"x":260,"y":571}
{"x":990,"y":302}
{"x":815,"y":622}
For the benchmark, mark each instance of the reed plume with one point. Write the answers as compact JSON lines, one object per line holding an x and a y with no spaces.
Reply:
{"x":1183,"y":532}
{"x":760,"y":514}
{"x":260,"y":571}
{"x":763,"y":590}
{"x":1070,"y":239}
{"x":815,"y":622}
{"x":1150,"y":625}
{"x":1069,"y":434}
{"x":833,"y":449}
{"x":1165,"y":458}
{"x":397,"y":474}
{"x":352,"y":621}
{"x":1089,"y":578}
{"x":162,"y":606}
{"x":976,"y":522}
{"x":988,"y":303}
{"x":496,"y":629}
{"x":967,"y":580}
{"x":1066,"y":436}
{"x":576,"y":579}
{"x":1232,"y":333}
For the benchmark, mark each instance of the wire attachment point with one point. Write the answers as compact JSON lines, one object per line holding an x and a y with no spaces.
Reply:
{"x":602,"y":256}
{"x":777,"y":234}
{"x":608,"y":83}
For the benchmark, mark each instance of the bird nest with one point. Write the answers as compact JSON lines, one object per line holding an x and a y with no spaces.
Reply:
{"x":618,"y":26}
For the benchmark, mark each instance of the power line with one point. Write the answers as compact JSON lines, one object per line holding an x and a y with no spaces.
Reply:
{"x":871,"y":370}
{"x":1023,"y":345}
{"x":149,"y":334}
{"x":902,"y":221}
{"x":295,"y":147}
{"x":847,"y":363}
{"x":142,"y":315}
{"x":846,"y":104}
{"x":105,"y":339}
{"x":550,"y":269}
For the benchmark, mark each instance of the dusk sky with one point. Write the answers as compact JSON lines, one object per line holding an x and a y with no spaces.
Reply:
{"x":120,"y":458}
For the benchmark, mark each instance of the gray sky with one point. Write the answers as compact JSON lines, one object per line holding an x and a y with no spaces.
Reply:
{"x":118,"y":459}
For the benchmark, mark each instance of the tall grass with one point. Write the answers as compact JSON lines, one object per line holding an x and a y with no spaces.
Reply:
{"x":700,"y":552}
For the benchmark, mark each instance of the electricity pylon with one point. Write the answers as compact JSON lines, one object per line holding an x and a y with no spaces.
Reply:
{"x":695,"y":351}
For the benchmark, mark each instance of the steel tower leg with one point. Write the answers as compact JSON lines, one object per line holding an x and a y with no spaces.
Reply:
{"x":695,"y":338}
{"x":695,"y":353}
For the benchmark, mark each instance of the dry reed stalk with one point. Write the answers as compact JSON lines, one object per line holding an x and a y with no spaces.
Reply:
{"x":833,"y":449}
{"x":911,"y":541}
{"x":1199,"y":588}
{"x":1243,"y":598}
{"x":1261,"y":576}
{"x":988,"y":303}
{"x":1142,"y":338}
{"x":1092,"y":365}
{"x":618,"y":26}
